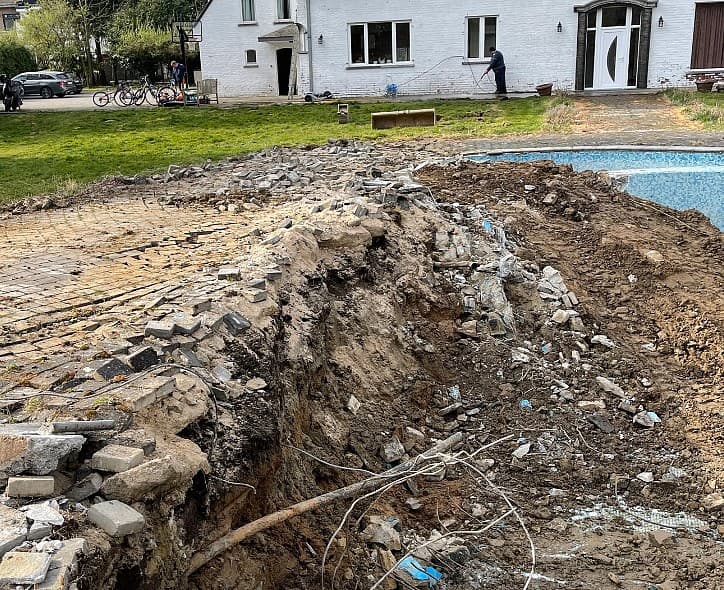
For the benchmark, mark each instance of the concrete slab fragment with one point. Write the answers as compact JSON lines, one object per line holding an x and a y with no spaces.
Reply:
{"x":24,"y":568}
{"x":116,"y":458}
{"x":30,"y":487}
{"x":116,"y":518}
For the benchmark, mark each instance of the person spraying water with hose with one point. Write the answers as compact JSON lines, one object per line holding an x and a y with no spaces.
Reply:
{"x":497,"y":64}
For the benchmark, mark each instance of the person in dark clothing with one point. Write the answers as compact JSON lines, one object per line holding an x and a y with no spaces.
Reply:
{"x":497,"y":64}
{"x":178,"y":72}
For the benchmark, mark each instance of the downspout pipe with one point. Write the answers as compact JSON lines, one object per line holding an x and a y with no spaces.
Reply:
{"x":310,"y":45}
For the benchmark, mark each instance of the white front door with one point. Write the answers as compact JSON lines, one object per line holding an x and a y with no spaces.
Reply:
{"x":612,"y":48}
{"x":614,"y":33}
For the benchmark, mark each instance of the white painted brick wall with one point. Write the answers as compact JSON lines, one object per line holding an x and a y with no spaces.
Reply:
{"x":225,"y":43}
{"x":534,"y":51}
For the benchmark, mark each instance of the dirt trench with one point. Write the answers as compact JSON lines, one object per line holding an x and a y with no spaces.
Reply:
{"x":381,"y":310}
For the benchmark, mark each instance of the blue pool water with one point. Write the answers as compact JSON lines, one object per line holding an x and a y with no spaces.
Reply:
{"x":678,"y":179}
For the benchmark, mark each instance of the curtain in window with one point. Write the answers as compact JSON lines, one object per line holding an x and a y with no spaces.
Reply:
{"x":284,"y":11}
{"x":247,"y":10}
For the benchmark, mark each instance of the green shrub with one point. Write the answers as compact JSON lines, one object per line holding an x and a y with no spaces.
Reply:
{"x":14,"y":57}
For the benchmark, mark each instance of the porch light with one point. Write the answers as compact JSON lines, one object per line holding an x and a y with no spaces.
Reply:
{"x":559,"y":28}
{"x":661,"y":22}
{"x":320,"y":40}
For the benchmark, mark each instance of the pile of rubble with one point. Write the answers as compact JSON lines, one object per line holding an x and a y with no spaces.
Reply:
{"x":369,"y":311}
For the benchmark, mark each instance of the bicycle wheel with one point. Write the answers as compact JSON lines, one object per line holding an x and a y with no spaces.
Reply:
{"x":101,"y":98}
{"x":139,"y":97}
{"x":124,"y":97}
{"x":165,"y":94}
{"x":151,"y":95}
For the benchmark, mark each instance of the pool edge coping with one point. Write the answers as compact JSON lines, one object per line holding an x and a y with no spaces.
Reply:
{"x":589,"y":148}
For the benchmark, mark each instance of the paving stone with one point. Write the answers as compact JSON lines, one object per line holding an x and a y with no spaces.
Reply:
{"x":257,"y":284}
{"x":63,"y":566}
{"x":160,"y":329}
{"x":256,"y":384}
{"x":137,"y":439}
{"x":229,"y":273}
{"x":39,"y":530}
{"x":236,"y":323}
{"x":30,"y":487}
{"x":23,"y":568}
{"x":113,"y":368}
{"x":254,"y":295}
{"x":86,"y":487}
{"x":116,"y":458}
{"x":116,"y":518}
{"x":273,"y":273}
{"x":185,"y":324}
{"x":196,"y":306}
{"x":13,"y":529}
{"x":143,"y":359}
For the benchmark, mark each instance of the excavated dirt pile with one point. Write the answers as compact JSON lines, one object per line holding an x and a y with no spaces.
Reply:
{"x":564,"y":336}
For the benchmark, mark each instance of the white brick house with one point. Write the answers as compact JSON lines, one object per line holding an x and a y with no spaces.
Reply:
{"x":352,"y":48}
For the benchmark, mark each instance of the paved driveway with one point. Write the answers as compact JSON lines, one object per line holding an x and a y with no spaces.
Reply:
{"x":72,"y":102}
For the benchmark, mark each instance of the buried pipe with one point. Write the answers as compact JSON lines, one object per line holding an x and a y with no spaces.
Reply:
{"x":201,"y":558}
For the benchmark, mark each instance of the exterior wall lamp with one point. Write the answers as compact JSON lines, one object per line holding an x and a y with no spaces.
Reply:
{"x":661,"y":22}
{"x":320,"y":40}
{"x":559,"y":28}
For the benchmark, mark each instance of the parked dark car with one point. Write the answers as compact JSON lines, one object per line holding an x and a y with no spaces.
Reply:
{"x":45,"y":84}
{"x":77,"y":82}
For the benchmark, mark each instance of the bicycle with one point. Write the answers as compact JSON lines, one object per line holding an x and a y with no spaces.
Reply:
{"x":147,"y":93}
{"x":123,"y":96}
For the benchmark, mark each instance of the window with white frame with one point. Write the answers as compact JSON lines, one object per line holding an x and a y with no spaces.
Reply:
{"x":250,"y":58}
{"x":248,"y":14}
{"x":377,"y":43}
{"x":284,"y":10}
{"x":481,"y":33}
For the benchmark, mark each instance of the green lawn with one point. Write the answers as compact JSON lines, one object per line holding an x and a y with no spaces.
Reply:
{"x":44,"y":152}
{"x":705,"y":107}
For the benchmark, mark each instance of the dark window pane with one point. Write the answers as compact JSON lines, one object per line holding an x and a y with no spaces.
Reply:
{"x":611,"y":59}
{"x":357,"y":39}
{"x":251,"y":56}
{"x":379,"y":41}
{"x":491,"y":28}
{"x":591,"y":19}
{"x":403,"y":41}
{"x":614,"y":16}
{"x":247,"y":10}
{"x":590,"y":58}
{"x":473,"y":38}
{"x":633,"y":58}
{"x":635,"y":15}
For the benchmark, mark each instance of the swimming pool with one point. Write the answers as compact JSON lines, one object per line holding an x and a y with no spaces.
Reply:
{"x":677,"y":178}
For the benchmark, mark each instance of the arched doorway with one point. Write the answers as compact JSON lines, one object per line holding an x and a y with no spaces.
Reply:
{"x":613,"y":44}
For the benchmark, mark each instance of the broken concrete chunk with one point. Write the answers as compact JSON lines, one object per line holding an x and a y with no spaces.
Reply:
{"x":713,"y":502}
{"x":602,"y":423}
{"x":30,"y":487}
{"x":521,"y":451}
{"x":256,"y":384}
{"x":63,"y":566}
{"x":603,"y":341}
{"x":610,"y":387}
{"x":353,"y":404}
{"x":255,"y":295}
{"x":113,"y":368}
{"x":560,"y":316}
{"x":162,"y":329}
{"x":46,"y":512}
{"x":137,"y":439}
{"x":116,"y":518}
{"x":23,"y":568}
{"x":143,"y":359}
{"x":36,"y":454}
{"x":86,"y":487}
{"x":13,"y":529}
{"x":116,"y":458}
{"x":185,"y":324}
{"x":197,"y":306}
{"x":236,"y":323}
{"x":392,"y":451}
{"x":644,"y":419}
{"x":654,"y":256}
{"x":382,"y":532}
